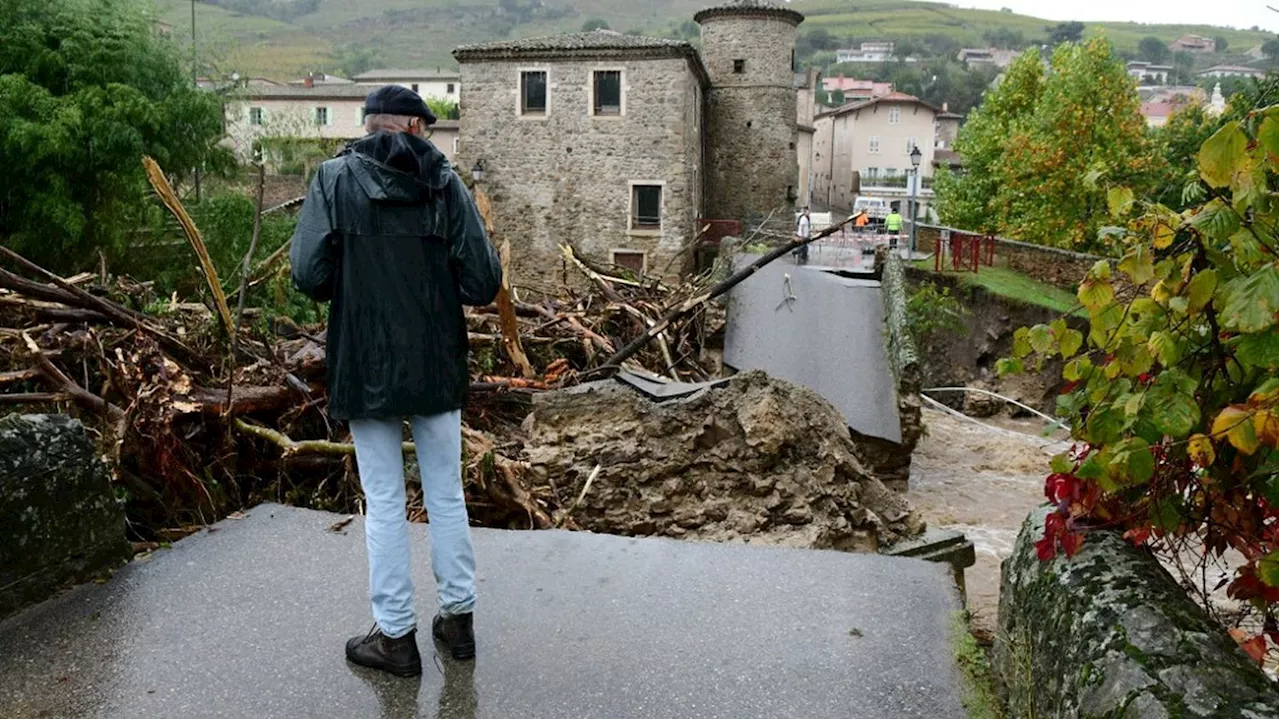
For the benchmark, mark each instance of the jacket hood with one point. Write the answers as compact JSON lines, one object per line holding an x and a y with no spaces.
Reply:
{"x":397,"y":166}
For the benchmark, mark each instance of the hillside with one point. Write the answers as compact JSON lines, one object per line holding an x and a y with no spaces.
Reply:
{"x":282,"y":38}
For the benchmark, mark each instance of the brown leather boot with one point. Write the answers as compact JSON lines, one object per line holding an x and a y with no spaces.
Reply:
{"x":376,"y":650}
{"x":456,"y":633}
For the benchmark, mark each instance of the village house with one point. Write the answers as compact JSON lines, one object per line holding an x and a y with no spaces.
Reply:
{"x":867,"y":52}
{"x":620,"y":145}
{"x":855,"y":90}
{"x":864,"y":148}
{"x":439,"y":84}
{"x":260,"y":113}
{"x":1193,"y":43}
{"x":1147,"y":73}
{"x":992,"y":57}
{"x":948,"y":128}
{"x":1231,"y":71}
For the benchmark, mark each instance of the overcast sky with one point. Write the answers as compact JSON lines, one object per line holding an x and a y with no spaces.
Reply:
{"x":1233,"y":13}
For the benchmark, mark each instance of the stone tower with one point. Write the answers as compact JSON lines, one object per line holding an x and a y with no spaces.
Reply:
{"x":749,"y":50}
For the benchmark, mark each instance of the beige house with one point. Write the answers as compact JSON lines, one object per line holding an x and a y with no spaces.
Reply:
{"x":439,"y":84}
{"x":332,"y":112}
{"x":864,"y":148}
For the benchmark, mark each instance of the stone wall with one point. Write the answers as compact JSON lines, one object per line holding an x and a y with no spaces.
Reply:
{"x":59,"y":518}
{"x":751,"y":115}
{"x":1051,"y":265}
{"x":890,"y":461}
{"x":566,"y":177}
{"x":1108,"y":633}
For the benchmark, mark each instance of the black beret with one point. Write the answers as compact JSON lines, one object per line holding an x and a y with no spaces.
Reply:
{"x":397,"y":100}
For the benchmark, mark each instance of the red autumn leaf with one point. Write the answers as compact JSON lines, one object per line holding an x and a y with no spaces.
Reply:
{"x":1071,"y":542}
{"x":1044,"y":548}
{"x":1138,"y":535}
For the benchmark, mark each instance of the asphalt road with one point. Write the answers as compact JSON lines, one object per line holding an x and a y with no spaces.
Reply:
{"x":249,"y":619}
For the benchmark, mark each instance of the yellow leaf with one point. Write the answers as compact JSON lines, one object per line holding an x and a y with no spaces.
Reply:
{"x":1161,"y":292}
{"x":1265,"y":427}
{"x":1163,"y":236}
{"x":1235,"y":423}
{"x":1200,"y":448}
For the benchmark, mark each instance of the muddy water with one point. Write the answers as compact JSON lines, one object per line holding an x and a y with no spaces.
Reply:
{"x":983,"y":483}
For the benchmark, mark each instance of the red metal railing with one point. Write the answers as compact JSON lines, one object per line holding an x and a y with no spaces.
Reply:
{"x":966,"y":251}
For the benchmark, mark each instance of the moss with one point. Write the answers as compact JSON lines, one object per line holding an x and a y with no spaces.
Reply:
{"x":977,"y":683}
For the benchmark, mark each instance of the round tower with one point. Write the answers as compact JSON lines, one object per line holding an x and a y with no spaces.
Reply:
{"x":748,"y":47}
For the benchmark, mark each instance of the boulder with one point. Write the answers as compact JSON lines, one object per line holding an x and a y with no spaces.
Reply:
{"x":1108,"y":633}
{"x":751,"y":458}
{"x":60,"y":520}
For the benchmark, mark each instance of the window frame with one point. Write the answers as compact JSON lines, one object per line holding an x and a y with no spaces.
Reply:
{"x":644,"y":258}
{"x":413,"y":86}
{"x":449,"y":88}
{"x":622,"y":92}
{"x":739,"y":66}
{"x":257,"y":116}
{"x":911,"y":144}
{"x":546,"y":103}
{"x":895,"y":115}
{"x":632,"y":227}
{"x":323,"y":118}
{"x":873,"y":144}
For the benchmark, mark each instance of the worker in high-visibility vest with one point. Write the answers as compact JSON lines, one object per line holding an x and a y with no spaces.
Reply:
{"x":893,"y":223}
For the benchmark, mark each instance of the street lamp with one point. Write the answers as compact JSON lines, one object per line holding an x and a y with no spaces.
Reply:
{"x":915,"y":186}
{"x":477,"y":171}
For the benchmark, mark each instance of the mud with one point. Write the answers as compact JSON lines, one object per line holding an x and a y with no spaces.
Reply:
{"x":756,"y":460}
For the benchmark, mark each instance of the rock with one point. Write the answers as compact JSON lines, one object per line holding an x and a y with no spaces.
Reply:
{"x":61,"y":520}
{"x":1108,"y":633}
{"x":754,"y":458}
{"x":977,"y":404}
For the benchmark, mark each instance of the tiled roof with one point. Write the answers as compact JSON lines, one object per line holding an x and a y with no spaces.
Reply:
{"x":400,"y":74}
{"x":891,"y":97}
{"x":750,"y":8}
{"x":601,"y":42}
{"x":300,"y":92}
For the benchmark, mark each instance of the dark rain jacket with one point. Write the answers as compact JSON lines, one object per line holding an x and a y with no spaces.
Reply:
{"x":390,"y":237}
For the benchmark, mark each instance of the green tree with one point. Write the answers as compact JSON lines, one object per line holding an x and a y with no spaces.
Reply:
{"x":595,"y":23}
{"x":1036,"y":149}
{"x":1005,"y":38}
{"x":1219,"y":44}
{"x":1065,"y":32}
{"x":87,"y":87}
{"x":1184,"y":62}
{"x":1153,"y":49}
{"x":352,"y":59}
{"x":966,"y":201}
{"x":1271,"y":48}
{"x":443,"y":109}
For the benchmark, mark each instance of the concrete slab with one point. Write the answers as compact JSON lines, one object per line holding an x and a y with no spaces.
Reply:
{"x":249,"y":621}
{"x":829,"y":337}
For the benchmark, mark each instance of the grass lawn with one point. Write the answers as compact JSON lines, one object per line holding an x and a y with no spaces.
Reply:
{"x":1015,"y":285}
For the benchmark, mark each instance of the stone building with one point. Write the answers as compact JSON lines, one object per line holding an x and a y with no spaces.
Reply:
{"x":618,"y":144}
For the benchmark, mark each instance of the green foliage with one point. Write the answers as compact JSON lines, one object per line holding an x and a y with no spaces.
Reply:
{"x":1173,"y":400}
{"x":1271,"y":48}
{"x":1153,"y":49}
{"x":443,"y":108}
{"x":86,"y":89}
{"x":932,"y":309}
{"x":1042,"y":150}
{"x":353,"y":59}
{"x":1065,"y":32}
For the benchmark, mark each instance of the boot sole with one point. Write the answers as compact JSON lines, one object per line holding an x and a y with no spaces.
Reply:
{"x":409,"y":671}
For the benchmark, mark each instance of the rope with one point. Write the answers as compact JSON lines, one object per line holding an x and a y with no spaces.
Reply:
{"x":1032,"y":410}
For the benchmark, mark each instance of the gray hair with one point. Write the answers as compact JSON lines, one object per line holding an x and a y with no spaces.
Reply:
{"x":390,"y":123}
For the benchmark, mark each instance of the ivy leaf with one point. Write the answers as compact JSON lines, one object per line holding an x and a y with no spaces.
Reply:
{"x":1041,"y":339}
{"x":1200,"y":449}
{"x":1021,"y":346}
{"x":1219,"y":154}
{"x":1095,"y":293}
{"x":1061,"y":463}
{"x":1172,"y":403}
{"x":1268,"y":141}
{"x":1091,"y":468}
{"x":1132,"y":462}
{"x":1006,"y":366}
{"x":1138,"y":265}
{"x":1200,"y":290}
{"x":1235,"y":423}
{"x":1269,"y":565}
{"x":1259,"y":350}
{"x":1119,"y":201}
{"x":1069,"y":343}
{"x":1251,"y":304}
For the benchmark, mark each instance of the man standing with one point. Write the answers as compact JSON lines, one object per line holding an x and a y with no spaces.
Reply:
{"x":390,"y":237}
{"x":804,"y":230}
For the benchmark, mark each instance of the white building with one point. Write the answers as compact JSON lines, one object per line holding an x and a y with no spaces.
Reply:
{"x":1231,"y":71}
{"x":868,"y":52}
{"x":1148,"y":74}
{"x":436,"y":83}
{"x":259,"y":114}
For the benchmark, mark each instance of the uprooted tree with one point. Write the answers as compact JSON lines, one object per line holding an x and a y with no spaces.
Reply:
{"x":1171,"y":396}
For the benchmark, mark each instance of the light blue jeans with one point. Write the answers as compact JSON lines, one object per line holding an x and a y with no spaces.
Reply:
{"x":438,"y":440}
